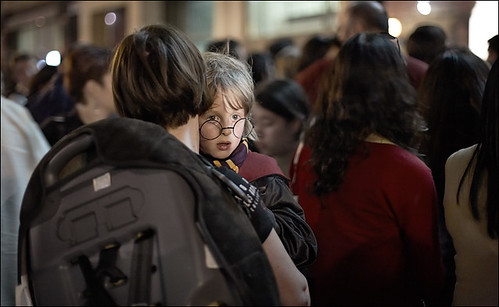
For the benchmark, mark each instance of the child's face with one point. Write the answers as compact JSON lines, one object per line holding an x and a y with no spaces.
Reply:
{"x":221,"y":115}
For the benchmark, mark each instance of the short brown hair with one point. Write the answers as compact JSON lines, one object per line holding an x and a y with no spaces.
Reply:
{"x":159,"y":76}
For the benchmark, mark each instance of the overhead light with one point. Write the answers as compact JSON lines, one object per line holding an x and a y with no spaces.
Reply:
{"x":424,"y":7}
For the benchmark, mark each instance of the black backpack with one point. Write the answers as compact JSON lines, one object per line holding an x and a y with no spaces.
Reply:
{"x":119,"y":212}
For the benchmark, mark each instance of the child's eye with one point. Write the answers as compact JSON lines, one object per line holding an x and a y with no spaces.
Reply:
{"x":212,"y":117}
{"x":236,"y":117}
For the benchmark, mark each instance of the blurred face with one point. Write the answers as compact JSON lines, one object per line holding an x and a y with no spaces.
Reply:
{"x":276,"y":136}
{"x":105,"y":94}
{"x":347,"y":27}
{"x":22,"y":73}
{"x":221,"y":117}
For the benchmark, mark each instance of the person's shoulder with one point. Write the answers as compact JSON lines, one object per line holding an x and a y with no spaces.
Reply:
{"x":15,"y":111}
{"x":257,"y":165}
{"x":460,"y":157}
{"x":259,"y":159}
{"x":399,"y":160}
{"x":463,"y":153}
{"x":9,"y":104}
{"x":416,"y":63}
{"x":314,"y":69}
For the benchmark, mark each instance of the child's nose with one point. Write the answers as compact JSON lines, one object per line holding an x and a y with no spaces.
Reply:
{"x":226,"y":131}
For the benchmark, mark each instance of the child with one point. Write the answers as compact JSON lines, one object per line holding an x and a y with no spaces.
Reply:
{"x":224,"y":132}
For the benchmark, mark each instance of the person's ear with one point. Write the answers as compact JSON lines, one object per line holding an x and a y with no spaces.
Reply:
{"x":296,"y":126}
{"x":91,"y":88}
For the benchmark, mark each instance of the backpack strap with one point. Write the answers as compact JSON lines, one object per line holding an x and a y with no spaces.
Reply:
{"x":140,"y":274}
{"x":95,"y":293}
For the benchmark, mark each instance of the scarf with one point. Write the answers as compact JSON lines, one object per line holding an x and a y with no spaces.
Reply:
{"x":236,"y":158}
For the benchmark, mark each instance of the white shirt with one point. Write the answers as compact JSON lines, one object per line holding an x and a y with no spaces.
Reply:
{"x":23,"y":145}
{"x":476,"y":253}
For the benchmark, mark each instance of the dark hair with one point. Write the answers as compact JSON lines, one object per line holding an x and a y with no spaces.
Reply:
{"x":227,"y":46}
{"x":262,"y":66}
{"x":426,"y":42}
{"x":450,"y":99}
{"x":159,"y":76}
{"x":486,"y":156}
{"x":41,"y":78}
{"x":315,"y":48}
{"x":371,"y":14}
{"x":494,"y":43}
{"x":285,"y":97}
{"x":85,"y":62}
{"x":279,"y":44}
{"x":367,"y":92}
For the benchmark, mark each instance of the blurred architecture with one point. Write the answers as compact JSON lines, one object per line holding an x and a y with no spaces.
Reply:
{"x":41,"y":26}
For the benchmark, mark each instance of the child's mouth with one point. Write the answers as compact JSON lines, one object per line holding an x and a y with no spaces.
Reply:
{"x":223,"y":146}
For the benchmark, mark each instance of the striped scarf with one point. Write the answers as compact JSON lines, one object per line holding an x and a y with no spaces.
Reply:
{"x":235,"y":160}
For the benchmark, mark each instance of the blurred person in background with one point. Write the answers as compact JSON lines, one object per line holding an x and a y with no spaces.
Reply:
{"x":21,"y":68}
{"x":286,"y":55}
{"x":450,"y":99}
{"x":317,"y":47}
{"x":280,"y":116}
{"x":356,"y":179}
{"x":426,"y":42}
{"x":43,"y":80}
{"x":232,"y":46}
{"x":471,"y":204}
{"x":23,"y":145}
{"x":356,"y":17}
{"x":262,"y":67}
{"x":51,"y":98}
{"x":87,"y":79}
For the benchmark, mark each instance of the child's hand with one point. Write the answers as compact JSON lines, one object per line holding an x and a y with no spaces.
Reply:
{"x":249,"y":199}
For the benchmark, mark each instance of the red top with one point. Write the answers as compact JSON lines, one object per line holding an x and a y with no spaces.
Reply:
{"x":377,"y":235}
{"x":257,"y":165}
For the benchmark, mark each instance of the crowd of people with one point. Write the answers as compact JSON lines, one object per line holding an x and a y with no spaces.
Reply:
{"x":377,"y":167}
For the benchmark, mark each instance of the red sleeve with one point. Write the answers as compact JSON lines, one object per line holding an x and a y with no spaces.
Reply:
{"x":311,"y":76}
{"x":415,"y":204}
{"x":416,"y":70}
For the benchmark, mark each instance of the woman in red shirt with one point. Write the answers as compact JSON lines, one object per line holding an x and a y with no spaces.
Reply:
{"x":369,"y":199}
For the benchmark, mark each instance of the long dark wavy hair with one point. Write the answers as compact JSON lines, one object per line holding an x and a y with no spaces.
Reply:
{"x":486,"y":157}
{"x":450,"y":98}
{"x":368,"y":91}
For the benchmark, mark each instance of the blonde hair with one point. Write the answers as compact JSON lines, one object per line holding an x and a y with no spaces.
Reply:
{"x":228,"y":75}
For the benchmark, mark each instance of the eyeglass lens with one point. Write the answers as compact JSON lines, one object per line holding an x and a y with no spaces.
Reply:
{"x":211,"y":129}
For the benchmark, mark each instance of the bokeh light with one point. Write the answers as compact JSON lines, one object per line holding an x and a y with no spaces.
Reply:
{"x":424,"y":7}
{"x":394,"y":27}
{"x":110,"y":18}
{"x":53,"y":58}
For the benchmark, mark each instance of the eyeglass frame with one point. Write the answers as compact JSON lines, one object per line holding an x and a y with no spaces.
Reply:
{"x":222,"y":128}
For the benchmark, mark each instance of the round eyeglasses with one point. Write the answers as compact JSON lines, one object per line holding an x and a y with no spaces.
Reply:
{"x":211,"y":129}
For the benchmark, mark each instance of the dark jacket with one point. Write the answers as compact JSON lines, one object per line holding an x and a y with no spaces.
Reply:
{"x":294,"y":232}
